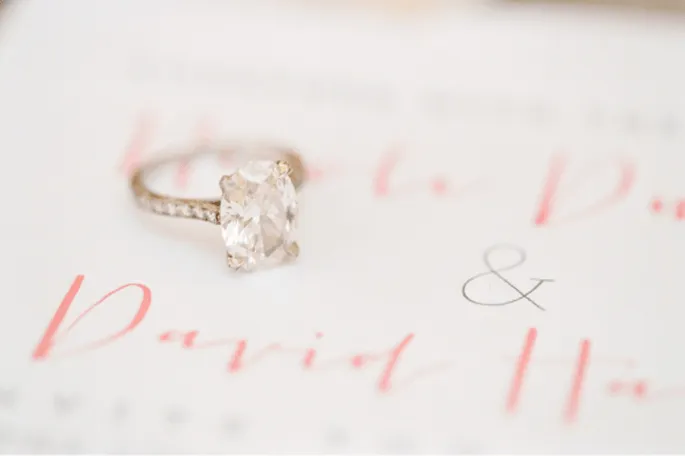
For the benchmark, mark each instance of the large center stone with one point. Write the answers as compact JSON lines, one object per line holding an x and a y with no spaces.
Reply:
{"x":258,"y":215}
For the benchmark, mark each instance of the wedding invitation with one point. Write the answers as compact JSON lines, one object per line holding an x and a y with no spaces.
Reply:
{"x":491,"y":233}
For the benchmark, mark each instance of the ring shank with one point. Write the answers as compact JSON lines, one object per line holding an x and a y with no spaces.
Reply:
{"x":200,"y":209}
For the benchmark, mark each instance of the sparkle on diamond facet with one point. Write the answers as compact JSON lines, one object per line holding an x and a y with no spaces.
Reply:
{"x":258,"y":215}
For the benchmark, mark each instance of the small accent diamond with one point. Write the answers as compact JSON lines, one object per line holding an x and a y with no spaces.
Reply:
{"x":210,"y":216}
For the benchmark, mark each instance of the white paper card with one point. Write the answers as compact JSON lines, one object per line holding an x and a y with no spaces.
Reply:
{"x":492,"y":234}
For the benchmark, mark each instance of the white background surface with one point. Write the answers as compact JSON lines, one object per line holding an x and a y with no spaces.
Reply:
{"x":475,"y":95}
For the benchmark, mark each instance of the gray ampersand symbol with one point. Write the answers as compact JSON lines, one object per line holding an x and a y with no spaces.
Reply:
{"x":497,"y":272}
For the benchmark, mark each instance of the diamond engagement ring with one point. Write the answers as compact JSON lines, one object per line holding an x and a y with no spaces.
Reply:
{"x":257,"y":210}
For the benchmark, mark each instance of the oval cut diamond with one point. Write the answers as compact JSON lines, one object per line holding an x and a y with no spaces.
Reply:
{"x":258,"y":215}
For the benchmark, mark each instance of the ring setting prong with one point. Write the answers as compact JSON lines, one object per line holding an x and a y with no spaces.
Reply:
{"x":283,"y":168}
{"x":292,"y":250}
{"x":234,"y":263}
